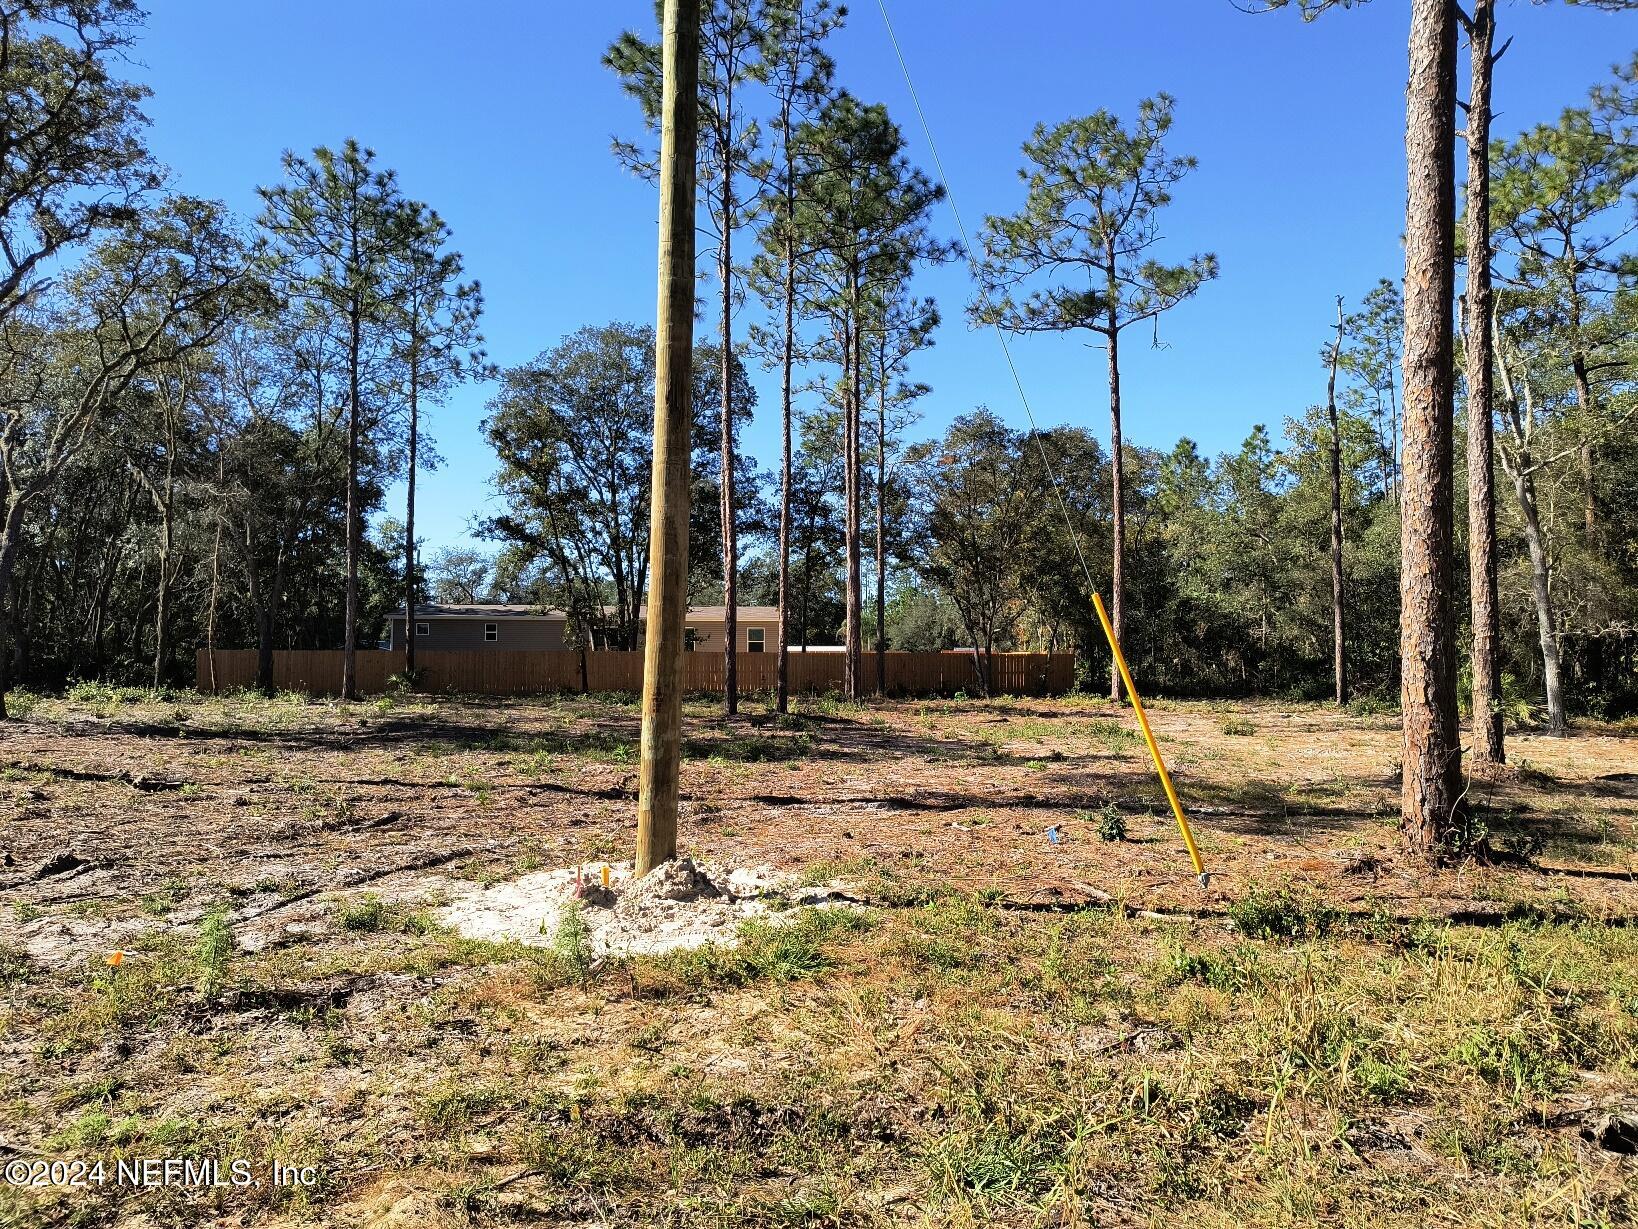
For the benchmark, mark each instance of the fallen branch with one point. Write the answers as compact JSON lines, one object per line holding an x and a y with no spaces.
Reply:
{"x":137,"y":781}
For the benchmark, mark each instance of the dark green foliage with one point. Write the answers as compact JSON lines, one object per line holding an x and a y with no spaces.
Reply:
{"x":1111,"y":824}
{"x":1282,"y":913}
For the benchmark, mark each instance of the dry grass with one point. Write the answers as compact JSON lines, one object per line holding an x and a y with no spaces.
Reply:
{"x":1336,"y":1036}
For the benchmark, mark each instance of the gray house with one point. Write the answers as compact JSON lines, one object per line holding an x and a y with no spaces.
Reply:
{"x":492,"y":626}
{"x":482,"y":626}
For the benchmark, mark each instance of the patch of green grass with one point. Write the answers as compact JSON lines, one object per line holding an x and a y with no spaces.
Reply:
{"x":1523,"y":1059}
{"x":92,"y":1129}
{"x":847,"y":870}
{"x":748,"y":749}
{"x":366,"y":915}
{"x":948,"y":935}
{"x":793,"y":948}
{"x":454,"y":1105}
{"x":370,"y":914}
{"x":993,"y":1163}
{"x":1236,"y":969}
{"x":1112,"y":734}
{"x":573,"y":1158}
{"x":1280,"y":913}
{"x":102,"y":1089}
{"x":1237,"y":727}
{"x":170,"y":894}
{"x":16,"y":966}
{"x":1382,"y":1080}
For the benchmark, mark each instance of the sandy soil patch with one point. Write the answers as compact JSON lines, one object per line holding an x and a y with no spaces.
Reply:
{"x":679,"y":905}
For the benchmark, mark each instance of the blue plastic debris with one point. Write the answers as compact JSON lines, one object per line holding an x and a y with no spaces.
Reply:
{"x":1052,"y":834}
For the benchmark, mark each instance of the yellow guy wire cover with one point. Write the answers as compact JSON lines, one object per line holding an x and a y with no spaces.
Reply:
{"x":1149,"y":737}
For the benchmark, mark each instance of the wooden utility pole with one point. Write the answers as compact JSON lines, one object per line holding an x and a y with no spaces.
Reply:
{"x":1339,"y":651}
{"x":673,"y":368}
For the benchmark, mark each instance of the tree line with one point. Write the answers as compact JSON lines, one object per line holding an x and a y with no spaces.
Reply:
{"x":199,"y":418}
{"x":203,"y":414}
{"x":1571,"y":178}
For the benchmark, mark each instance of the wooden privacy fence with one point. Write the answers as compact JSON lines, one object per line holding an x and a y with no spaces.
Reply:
{"x":512,"y":672}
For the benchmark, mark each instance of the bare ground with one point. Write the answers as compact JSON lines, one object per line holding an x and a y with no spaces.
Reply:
{"x":1329,"y":1033}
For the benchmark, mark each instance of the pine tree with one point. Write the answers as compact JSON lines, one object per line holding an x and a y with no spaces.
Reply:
{"x":732,"y":40}
{"x":1088,"y":230}
{"x":436,"y":345}
{"x":865,"y":223}
{"x":797,"y":72}
{"x":336,"y":231}
{"x":898,"y":326}
{"x":1427,"y":642}
{"x":1370,"y":355}
{"x":1478,"y":310}
{"x":1339,"y":663}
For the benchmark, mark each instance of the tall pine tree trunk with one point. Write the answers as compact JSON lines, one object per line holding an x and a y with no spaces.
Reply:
{"x":215,"y":576}
{"x":1541,"y":593}
{"x":1432,"y":747}
{"x":1338,"y":641}
{"x":261,"y":605}
{"x":855,"y":662}
{"x":164,"y":497}
{"x":162,"y":594}
{"x":409,"y":508}
{"x":730,"y":536}
{"x":1117,"y":507}
{"x":349,"y":642}
{"x":881,"y":539}
{"x":11,"y":539}
{"x":782,"y":697}
{"x":1483,"y":596}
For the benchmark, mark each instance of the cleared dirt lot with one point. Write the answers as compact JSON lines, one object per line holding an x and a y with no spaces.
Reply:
{"x":1002,"y":1036}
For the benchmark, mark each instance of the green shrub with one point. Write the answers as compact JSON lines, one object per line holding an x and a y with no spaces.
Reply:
{"x":1279,"y":913}
{"x":1467,"y":836}
{"x":1370,"y":706}
{"x":571,"y":943}
{"x":1235,"y":969}
{"x":1238,"y":727}
{"x":1106,"y":821}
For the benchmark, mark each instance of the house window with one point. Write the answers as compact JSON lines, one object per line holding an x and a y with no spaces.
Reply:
{"x":691,"y":639}
{"x":491,"y":632}
{"x":423,"y":629}
{"x":756,"y":640}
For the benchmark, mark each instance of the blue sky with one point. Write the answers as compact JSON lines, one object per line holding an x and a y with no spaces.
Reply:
{"x":501,"y":119}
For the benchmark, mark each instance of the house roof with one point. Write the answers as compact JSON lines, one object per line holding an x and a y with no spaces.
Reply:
{"x":496,"y":610}
{"x":480,"y":610}
{"x":757,"y":614}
